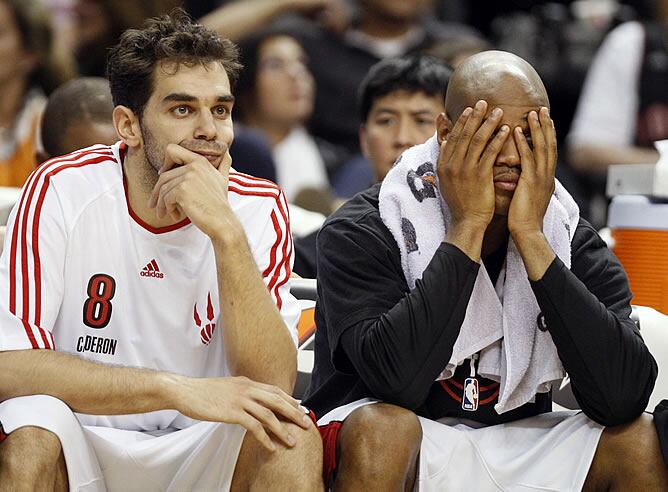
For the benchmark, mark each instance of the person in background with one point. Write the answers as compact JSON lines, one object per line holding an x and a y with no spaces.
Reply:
{"x":99,"y":23}
{"x":275,"y":95}
{"x":78,"y":115}
{"x":399,"y":101}
{"x":238,"y":19}
{"x":623,"y":107}
{"x":339,"y":61}
{"x":29,"y":70}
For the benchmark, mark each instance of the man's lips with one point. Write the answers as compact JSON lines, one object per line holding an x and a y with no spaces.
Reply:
{"x":506,"y":181}
{"x":212,"y":157}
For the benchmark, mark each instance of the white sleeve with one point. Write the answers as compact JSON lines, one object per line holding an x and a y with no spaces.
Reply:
{"x":31,"y":267}
{"x":608,"y":104}
{"x":274,"y":255}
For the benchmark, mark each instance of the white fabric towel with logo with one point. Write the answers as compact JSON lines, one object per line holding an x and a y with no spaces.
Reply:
{"x":500,"y":323}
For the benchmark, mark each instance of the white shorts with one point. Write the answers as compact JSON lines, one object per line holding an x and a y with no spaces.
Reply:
{"x":200,"y":457}
{"x":548,"y":452}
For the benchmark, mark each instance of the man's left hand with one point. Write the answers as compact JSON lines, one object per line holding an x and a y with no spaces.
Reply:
{"x":536,"y":183}
{"x":189,"y":186}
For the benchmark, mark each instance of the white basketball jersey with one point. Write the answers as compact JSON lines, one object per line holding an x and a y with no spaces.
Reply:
{"x":81,"y":273}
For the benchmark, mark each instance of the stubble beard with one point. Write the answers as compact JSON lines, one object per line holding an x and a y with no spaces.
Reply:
{"x":153,"y":157}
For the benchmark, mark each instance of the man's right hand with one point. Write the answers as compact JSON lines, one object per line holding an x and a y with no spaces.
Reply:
{"x":465,"y":164}
{"x":255,"y":406}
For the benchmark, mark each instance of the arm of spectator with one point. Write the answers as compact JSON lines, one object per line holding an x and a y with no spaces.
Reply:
{"x":243,"y":17}
{"x":595,"y":159}
{"x":587,"y":313}
{"x":396,"y":341}
{"x":604,"y":124}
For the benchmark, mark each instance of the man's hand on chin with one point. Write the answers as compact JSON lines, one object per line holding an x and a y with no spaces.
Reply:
{"x":190,"y":186}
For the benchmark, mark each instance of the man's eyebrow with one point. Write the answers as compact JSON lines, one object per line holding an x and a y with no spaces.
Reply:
{"x":385,"y":110}
{"x":423,"y":111}
{"x":184,"y":97}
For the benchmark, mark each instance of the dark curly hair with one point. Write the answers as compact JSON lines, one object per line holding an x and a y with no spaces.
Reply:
{"x":172,"y":38}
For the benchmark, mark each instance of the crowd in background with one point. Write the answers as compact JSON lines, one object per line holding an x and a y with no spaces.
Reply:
{"x":297,"y":115}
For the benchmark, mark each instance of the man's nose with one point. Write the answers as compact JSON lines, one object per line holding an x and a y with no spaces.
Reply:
{"x":509,"y":155}
{"x":206,"y":126}
{"x":406,"y":135}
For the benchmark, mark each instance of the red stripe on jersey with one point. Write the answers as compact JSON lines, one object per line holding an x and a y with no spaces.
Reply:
{"x":22,"y":216}
{"x":148,"y":227}
{"x":30,"y":185}
{"x":274,"y":247}
{"x":45,"y":337}
{"x":242,"y":178}
{"x":488,"y":387}
{"x":35,"y":228}
{"x":287,"y":253}
{"x":457,"y":384}
{"x":489,"y":398}
{"x":154,"y":264}
{"x":286,"y":239}
{"x":450,"y":392}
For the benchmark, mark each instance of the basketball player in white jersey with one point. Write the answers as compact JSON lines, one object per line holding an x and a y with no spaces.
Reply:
{"x":147,"y":331}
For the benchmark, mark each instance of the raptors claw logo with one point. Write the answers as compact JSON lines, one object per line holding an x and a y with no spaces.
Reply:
{"x":206,"y":332}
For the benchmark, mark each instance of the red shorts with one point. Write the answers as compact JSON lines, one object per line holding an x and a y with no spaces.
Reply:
{"x":328,"y":433}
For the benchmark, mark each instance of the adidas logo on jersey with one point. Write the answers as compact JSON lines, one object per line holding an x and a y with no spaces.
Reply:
{"x":152,"y":270}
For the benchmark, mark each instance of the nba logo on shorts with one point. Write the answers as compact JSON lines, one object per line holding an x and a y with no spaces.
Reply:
{"x":470,"y":396}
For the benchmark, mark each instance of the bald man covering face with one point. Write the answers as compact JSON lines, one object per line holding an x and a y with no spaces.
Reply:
{"x":387,"y":422}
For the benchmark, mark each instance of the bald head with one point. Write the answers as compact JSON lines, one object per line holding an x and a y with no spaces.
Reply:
{"x":498,"y":77}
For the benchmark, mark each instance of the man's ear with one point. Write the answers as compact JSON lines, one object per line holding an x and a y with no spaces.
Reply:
{"x":127,"y":126}
{"x":443,"y":127}
{"x":363,"y":145}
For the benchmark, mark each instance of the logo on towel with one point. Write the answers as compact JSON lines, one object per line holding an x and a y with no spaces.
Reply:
{"x":206,"y":331}
{"x":410,"y":236}
{"x":422,"y":182}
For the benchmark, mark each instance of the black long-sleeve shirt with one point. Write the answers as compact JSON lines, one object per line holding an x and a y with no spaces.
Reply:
{"x":376,"y":338}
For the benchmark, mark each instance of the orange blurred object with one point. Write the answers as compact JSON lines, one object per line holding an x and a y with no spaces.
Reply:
{"x":639,"y":228}
{"x":644,"y":255}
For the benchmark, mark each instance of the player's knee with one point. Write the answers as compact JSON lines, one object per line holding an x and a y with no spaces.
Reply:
{"x":28,"y":453}
{"x":632,"y":449}
{"x":300,"y":467}
{"x":380,"y":435}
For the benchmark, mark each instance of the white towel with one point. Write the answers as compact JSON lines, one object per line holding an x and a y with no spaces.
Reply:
{"x":500,"y":322}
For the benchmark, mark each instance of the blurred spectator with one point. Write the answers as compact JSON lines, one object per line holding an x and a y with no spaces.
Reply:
{"x":623,"y":107}
{"x":238,"y":19}
{"x":275,"y":94}
{"x":99,"y":24}
{"x":339,"y":62}
{"x":455,"y":51}
{"x":251,"y":153}
{"x":78,"y":115}
{"x":481,"y":14}
{"x":399,"y":101}
{"x":29,"y":69}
